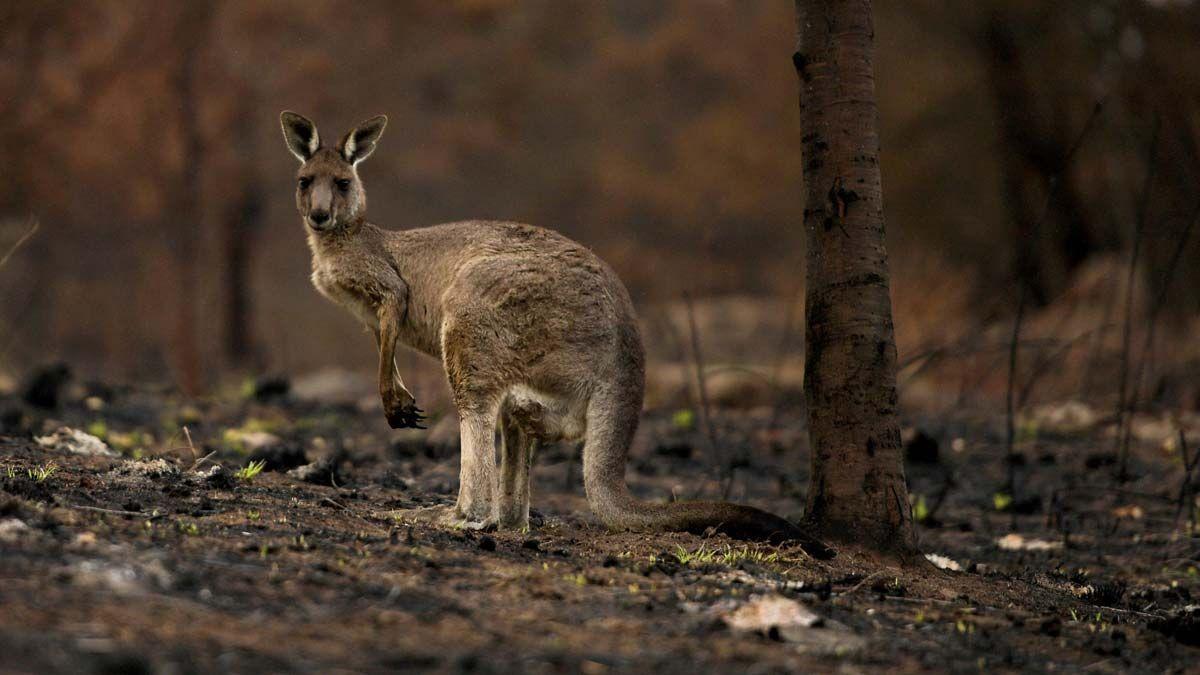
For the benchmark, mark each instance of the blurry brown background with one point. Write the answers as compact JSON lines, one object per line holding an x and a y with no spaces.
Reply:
{"x":143,"y":136}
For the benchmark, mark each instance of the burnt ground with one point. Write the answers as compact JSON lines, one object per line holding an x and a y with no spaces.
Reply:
{"x":150,"y":561}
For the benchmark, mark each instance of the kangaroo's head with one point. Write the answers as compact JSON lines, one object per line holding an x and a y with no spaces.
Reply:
{"x":329,"y":193}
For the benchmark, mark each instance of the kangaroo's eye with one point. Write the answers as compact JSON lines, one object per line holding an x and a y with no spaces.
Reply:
{"x":304,"y":182}
{"x":343,"y":184}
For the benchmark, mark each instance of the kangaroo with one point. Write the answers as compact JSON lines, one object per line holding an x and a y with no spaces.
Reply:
{"x":537,"y":335}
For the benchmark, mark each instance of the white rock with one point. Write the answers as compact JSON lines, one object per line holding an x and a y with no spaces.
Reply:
{"x":783,"y":619}
{"x":76,"y":442}
{"x":1016,"y":542}
{"x":12,"y":529}
{"x":253,"y":440}
{"x":763,"y":613}
{"x":130,"y":578}
{"x":146,"y":468}
{"x":942,"y":562}
{"x":1067,"y":417}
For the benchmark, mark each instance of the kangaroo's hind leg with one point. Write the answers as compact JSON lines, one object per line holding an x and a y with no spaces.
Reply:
{"x":519,"y":443}
{"x":477,"y":470}
{"x":476,"y":376}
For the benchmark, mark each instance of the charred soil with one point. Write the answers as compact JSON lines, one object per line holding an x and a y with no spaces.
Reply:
{"x":152,"y":559}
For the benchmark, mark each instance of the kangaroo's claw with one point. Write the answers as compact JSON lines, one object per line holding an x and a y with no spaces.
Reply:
{"x":407,"y":417}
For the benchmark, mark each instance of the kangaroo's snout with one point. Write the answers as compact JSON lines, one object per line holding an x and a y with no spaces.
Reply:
{"x":319,"y":217}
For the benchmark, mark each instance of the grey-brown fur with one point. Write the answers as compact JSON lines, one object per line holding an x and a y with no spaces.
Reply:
{"x":537,"y":335}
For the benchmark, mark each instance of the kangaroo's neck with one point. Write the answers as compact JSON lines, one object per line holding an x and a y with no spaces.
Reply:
{"x":343,"y":260}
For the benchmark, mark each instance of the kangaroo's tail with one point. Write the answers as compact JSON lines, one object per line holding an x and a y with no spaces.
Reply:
{"x":611,"y":423}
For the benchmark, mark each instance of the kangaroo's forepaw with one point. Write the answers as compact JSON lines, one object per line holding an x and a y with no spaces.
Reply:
{"x":406,"y":417}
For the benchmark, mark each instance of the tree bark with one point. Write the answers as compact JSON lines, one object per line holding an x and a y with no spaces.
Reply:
{"x":857,"y":492}
{"x":240,"y":229}
{"x":1031,"y":152}
{"x":186,"y":216}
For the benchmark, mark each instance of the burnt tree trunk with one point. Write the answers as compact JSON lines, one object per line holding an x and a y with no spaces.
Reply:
{"x":186,"y":215}
{"x":240,"y":228}
{"x":241,"y":225}
{"x":1032,"y":151}
{"x":858,"y":493}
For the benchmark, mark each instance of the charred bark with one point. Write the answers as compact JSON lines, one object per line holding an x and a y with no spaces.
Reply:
{"x":1031,"y":150}
{"x":240,"y":229}
{"x":858,"y":492}
{"x":186,"y":216}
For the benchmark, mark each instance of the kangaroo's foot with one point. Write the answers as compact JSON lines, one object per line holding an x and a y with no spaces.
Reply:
{"x":444,"y":516}
{"x":431,"y":515}
{"x":485,"y":525}
{"x":472,"y":514}
{"x":512,"y":514}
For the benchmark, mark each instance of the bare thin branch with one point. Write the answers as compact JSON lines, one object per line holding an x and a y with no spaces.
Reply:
{"x":1124,"y":429}
{"x":720,"y":465}
{"x":34,"y":224}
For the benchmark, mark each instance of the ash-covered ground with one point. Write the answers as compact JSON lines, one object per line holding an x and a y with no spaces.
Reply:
{"x":136,"y":547}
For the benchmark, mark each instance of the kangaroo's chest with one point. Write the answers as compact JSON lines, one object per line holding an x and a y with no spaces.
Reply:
{"x":349,"y":294}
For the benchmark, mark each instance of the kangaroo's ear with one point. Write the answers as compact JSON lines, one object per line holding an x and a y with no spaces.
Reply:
{"x":300,"y":134}
{"x":359,"y":142}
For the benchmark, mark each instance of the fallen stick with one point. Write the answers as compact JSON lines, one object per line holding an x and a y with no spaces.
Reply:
{"x":115,"y":512}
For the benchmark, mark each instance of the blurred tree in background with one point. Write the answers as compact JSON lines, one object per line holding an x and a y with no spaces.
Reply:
{"x":661,"y":134}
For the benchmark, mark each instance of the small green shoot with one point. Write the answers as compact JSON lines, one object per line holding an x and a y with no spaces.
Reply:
{"x":248,"y":472}
{"x":42,"y":473}
{"x":728,"y":556}
{"x":1001,"y":501}
{"x":99,"y":429}
{"x":921,"y":509}
{"x":701,"y":556}
{"x":684,"y":419}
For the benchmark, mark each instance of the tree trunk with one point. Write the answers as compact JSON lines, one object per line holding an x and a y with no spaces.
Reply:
{"x":858,"y":493}
{"x":1031,"y":152}
{"x":241,"y":226}
{"x":186,"y":217}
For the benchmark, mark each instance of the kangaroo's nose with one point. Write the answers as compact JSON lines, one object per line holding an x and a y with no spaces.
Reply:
{"x":319,"y":217}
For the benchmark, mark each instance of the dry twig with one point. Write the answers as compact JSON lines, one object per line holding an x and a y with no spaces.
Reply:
{"x":1186,"y":484}
{"x":720,"y":465}
{"x":33,"y":227}
{"x":1010,"y":402}
{"x":196,"y":459}
{"x":115,"y":512}
{"x":1124,"y":428}
{"x":1160,"y":303}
